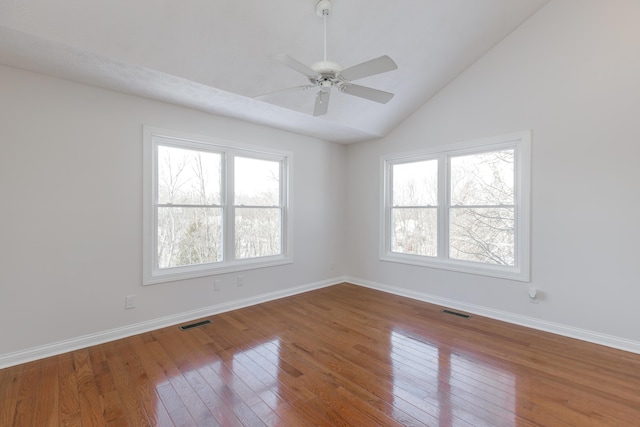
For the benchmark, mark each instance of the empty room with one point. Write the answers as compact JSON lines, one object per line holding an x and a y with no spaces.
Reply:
{"x":319,"y":213}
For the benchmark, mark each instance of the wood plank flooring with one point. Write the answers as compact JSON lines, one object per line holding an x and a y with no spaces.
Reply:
{"x":339,"y":356}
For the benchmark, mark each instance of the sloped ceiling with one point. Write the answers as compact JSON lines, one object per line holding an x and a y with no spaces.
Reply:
{"x":213,"y":55}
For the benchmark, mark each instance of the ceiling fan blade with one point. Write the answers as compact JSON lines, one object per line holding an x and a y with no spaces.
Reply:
{"x":322,"y":102}
{"x":367,"y":93}
{"x":294,"y":64}
{"x":369,"y":68}
{"x":291,"y":89}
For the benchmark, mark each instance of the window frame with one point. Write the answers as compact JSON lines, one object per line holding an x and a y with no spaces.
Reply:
{"x":152,"y":138}
{"x":520,"y":142}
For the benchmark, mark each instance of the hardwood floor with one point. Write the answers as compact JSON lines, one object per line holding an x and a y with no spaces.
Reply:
{"x":343,"y":355}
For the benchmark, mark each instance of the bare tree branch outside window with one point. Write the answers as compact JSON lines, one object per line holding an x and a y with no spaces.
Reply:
{"x":190,"y":212}
{"x":258,"y":214}
{"x":482,"y":212}
{"x":414,"y":215}
{"x":189,"y":215}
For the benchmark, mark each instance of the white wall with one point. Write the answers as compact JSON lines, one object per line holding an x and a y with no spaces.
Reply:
{"x":71,"y":188}
{"x":71,"y":211}
{"x":571,"y":74}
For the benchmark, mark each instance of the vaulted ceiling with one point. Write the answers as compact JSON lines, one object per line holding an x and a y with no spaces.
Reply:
{"x":214,"y":55}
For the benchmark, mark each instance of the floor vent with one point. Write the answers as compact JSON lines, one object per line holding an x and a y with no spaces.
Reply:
{"x":455,"y":313}
{"x":194,"y":325}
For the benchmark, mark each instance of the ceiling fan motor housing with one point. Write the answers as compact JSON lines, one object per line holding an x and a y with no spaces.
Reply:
{"x":328,"y":73}
{"x":327,"y":67}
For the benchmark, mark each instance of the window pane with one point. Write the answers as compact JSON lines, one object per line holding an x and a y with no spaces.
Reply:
{"x":415,"y":184}
{"x":257,"y":232}
{"x":189,"y":236}
{"x":415,"y":231}
{"x":257,"y":182}
{"x":482,"y":235}
{"x":483,"y":179}
{"x":188,"y":177}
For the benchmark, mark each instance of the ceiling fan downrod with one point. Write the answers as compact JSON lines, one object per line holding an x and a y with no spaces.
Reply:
{"x":326,"y":69}
{"x":323,"y":9}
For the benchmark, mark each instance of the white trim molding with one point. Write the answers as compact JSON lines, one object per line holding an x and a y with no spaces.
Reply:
{"x":60,"y":347}
{"x":504,"y":316}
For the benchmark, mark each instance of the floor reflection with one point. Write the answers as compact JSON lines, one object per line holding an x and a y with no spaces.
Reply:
{"x":229,"y":387}
{"x":450,"y":387}
{"x":259,"y":367}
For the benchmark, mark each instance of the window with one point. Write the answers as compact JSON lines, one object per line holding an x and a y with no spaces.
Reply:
{"x":463,"y":207}
{"x":212,"y":207}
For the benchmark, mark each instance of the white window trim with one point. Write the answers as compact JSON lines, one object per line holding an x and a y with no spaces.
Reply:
{"x":521,"y":142}
{"x":151,"y":273}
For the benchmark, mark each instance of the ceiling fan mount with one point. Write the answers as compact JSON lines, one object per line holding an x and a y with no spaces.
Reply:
{"x":328,"y":74}
{"x":323,"y":8}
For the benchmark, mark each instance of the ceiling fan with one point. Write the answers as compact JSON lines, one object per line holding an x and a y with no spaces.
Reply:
{"x":328,"y":74}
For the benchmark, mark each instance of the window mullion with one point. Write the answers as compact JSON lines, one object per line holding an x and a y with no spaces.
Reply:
{"x":154,"y":202}
{"x":389,"y":207}
{"x":519,"y":233}
{"x":444,"y":198}
{"x":482,"y":206}
{"x":284,"y":245}
{"x":183,"y":205}
{"x":229,"y":218}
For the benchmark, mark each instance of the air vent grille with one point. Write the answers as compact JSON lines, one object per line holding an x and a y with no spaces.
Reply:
{"x":194,"y":325}
{"x":455,"y":313}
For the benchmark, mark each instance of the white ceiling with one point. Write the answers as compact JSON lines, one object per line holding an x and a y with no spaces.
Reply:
{"x":213,"y":55}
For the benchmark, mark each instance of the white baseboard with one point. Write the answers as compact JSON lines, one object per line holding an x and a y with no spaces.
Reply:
{"x":60,"y":347}
{"x":530,"y":322}
{"x":65,"y":346}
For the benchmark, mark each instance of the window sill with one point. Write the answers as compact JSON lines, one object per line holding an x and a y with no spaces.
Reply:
{"x":192,"y":272}
{"x":502,"y":272}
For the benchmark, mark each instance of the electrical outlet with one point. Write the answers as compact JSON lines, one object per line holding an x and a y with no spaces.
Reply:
{"x":240,"y":280}
{"x":216,"y":284}
{"x":130,"y":302}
